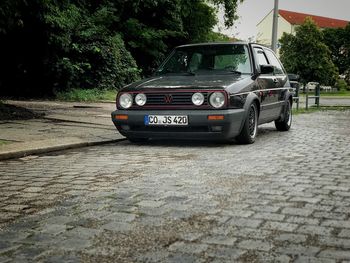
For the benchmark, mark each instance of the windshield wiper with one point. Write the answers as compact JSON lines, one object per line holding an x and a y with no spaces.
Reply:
{"x":235,"y":71}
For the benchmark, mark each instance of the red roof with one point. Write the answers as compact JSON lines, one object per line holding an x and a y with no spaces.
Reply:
{"x":298,"y":18}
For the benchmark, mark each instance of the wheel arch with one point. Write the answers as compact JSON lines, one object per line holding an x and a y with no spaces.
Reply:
{"x":251,"y":98}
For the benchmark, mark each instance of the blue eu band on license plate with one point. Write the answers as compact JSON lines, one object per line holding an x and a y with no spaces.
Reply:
{"x":178,"y":120}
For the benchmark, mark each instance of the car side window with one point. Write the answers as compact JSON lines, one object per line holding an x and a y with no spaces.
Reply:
{"x":278,"y":69}
{"x":262,"y":60}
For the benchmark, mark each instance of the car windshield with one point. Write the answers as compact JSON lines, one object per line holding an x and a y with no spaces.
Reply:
{"x":208,"y":59}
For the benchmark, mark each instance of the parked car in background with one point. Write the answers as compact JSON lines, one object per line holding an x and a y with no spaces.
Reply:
{"x":216,"y":91}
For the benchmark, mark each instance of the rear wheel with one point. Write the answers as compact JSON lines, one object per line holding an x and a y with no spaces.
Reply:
{"x":286,"y":123}
{"x":250,"y":127}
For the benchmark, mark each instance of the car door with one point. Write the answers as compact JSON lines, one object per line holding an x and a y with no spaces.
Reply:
{"x":267,"y":84}
{"x":281,"y":77}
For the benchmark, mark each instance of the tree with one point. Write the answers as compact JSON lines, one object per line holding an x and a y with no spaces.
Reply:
{"x":338,"y":41}
{"x":307,"y":55}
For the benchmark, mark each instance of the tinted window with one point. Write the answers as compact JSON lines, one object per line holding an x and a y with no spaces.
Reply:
{"x":274,"y":62}
{"x":208,"y":59}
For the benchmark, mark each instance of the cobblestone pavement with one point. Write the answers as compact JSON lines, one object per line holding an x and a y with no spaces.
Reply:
{"x":285,"y":198}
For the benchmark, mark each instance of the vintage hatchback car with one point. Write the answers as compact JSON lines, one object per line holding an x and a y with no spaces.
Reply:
{"x":207,"y":91}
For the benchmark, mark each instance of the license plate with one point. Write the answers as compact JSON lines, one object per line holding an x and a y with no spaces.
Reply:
{"x":166,"y":120}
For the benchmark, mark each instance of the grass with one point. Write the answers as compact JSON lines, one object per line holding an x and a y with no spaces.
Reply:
{"x":86,"y":95}
{"x":3,"y":142}
{"x":343,"y":93}
{"x":322,"y":108}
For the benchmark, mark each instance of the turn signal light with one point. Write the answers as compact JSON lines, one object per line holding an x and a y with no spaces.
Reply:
{"x":216,"y":117}
{"x":121,"y":117}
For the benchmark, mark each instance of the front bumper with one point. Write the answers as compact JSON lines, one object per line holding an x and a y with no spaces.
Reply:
{"x":199,"y":127}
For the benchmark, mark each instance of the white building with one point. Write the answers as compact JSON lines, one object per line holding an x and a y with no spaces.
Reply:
{"x":288,"y":21}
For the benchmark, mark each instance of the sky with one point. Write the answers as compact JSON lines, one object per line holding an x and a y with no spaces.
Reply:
{"x":251,"y":12}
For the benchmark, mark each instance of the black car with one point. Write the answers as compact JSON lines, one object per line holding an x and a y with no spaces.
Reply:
{"x":219,"y":91}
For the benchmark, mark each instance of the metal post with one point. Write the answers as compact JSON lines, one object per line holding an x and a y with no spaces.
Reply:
{"x":307,"y":98}
{"x":297,"y":94}
{"x":317,"y":95}
{"x":274,"y":27}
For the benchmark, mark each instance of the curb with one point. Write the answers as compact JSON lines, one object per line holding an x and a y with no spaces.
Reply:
{"x":23,"y":153}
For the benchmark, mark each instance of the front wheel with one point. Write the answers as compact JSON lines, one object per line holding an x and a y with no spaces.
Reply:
{"x":250,"y":127}
{"x":286,"y":123}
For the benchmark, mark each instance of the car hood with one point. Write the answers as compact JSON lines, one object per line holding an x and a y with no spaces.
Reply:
{"x":232,"y":83}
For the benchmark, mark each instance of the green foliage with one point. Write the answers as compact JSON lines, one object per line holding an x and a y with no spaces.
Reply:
{"x":341,"y":85}
{"x":87,"y":95}
{"x":306,"y":54}
{"x":217,"y":37}
{"x":230,"y":7}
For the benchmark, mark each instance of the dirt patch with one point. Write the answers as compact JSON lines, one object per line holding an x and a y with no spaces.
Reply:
{"x":11,"y":112}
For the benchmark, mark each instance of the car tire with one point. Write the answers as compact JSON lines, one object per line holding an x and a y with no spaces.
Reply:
{"x":286,"y":123}
{"x":137,"y":140}
{"x":250,"y":127}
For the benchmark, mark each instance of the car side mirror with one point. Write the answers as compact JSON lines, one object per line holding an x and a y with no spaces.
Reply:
{"x":293,"y":77}
{"x":266,"y":69}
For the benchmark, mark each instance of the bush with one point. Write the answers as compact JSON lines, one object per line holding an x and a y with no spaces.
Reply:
{"x":86,"y":55}
{"x":341,"y":85}
{"x":86,"y":95}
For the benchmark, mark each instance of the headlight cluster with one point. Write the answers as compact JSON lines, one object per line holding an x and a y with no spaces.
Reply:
{"x":217,"y":99}
{"x":197,"y":99}
{"x":126,"y":100}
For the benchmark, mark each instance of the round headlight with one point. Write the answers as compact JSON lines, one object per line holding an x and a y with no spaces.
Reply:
{"x":217,"y":99}
{"x":140,"y":99}
{"x":197,"y":99}
{"x":125,"y":100}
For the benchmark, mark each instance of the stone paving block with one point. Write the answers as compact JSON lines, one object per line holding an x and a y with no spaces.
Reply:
{"x":337,"y":223}
{"x":237,"y":213}
{"x":293,"y":238}
{"x":298,"y":250}
{"x":266,"y":208}
{"x":120,"y":217}
{"x":273,"y":225}
{"x":191,"y":236}
{"x":117,"y":226}
{"x":191,"y":248}
{"x":318,"y":230}
{"x":335,"y":242}
{"x":244,"y":222}
{"x":15,"y":208}
{"x":219,"y":240}
{"x":303,"y":220}
{"x":297,"y":211}
{"x":344,"y":233}
{"x":251,"y":233}
{"x":255,"y":245}
{"x":269,"y":216}
{"x":225,"y":253}
{"x":335,"y":254}
{"x":330,"y":215}
{"x":303,"y":259}
{"x":151,"y":204}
